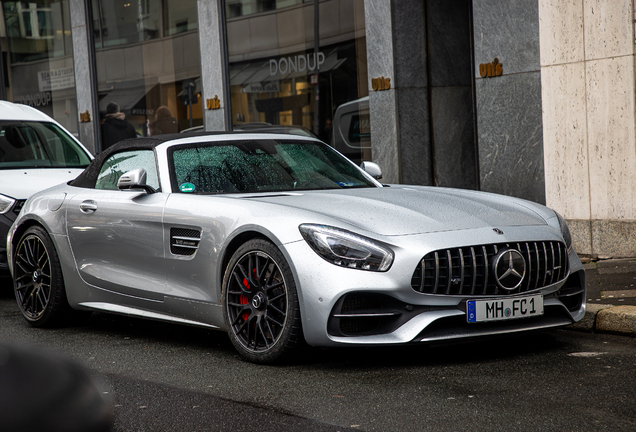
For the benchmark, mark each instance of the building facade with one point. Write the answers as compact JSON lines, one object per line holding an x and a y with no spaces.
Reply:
{"x":528,"y":98}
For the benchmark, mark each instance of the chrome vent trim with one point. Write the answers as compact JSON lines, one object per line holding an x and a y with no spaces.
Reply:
{"x":184,"y":241}
{"x":466,"y":270}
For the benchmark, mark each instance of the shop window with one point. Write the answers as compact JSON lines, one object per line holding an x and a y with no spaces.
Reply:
{"x":180,"y":17}
{"x":121,"y":22}
{"x":324,"y":92}
{"x":238,"y":8}
{"x":39,"y":66}
{"x":148,"y":63}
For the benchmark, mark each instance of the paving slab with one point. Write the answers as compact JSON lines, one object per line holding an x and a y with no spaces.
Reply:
{"x":611,"y":282}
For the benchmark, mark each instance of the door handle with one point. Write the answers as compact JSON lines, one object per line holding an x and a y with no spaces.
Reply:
{"x":88,"y":206}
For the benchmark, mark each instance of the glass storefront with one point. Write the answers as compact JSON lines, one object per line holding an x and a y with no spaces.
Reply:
{"x":39,"y":60}
{"x":148,"y":70}
{"x":278,"y":79}
{"x":148,"y":66}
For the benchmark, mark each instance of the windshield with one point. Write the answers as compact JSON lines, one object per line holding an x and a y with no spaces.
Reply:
{"x":25,"y":144}
{"x":261,"y":166}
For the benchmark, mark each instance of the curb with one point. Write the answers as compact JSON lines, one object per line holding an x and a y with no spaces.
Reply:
{"x":608,"y":319}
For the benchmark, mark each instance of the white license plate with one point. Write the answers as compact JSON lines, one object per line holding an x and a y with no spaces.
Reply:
{"x":504,"y":309}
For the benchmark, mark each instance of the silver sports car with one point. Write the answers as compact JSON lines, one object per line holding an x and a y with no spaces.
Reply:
{"x":279,"y":240}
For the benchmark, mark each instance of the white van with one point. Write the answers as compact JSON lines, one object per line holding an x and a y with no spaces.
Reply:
{"x":36,"y":152}
{"x":351,"y":132}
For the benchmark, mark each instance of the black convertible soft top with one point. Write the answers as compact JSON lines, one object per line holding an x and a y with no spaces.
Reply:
{"x":88,"y":177}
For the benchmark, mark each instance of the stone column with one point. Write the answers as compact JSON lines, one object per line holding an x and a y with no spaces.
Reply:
{"x":396,"y":49}
{"x":508,"y":104}
{"x":589,"y":117}
{"x":84,"y":81}
{"x":212,"y":48}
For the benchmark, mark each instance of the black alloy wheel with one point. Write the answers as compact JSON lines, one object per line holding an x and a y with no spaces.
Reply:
{"x":261,"y":304}
{"x":38,"y":284}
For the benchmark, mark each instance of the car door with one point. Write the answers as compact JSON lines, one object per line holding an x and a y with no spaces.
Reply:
{"x":116,"y":235}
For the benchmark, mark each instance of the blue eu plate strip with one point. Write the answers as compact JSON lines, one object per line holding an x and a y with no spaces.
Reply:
{"x":471,"y":311}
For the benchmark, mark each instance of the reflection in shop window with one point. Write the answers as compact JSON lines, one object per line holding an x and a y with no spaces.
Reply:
{"x":37,"y":30}
{"x":39,"y":61}
{"x":279,"y":81}
{"x":122,"y":22}
{"x":180,"y":17}
{"x":147,"y":56}
{"x":237,"y":8}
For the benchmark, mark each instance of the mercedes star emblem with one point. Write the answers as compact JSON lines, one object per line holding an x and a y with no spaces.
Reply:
{"x":510,"y":269}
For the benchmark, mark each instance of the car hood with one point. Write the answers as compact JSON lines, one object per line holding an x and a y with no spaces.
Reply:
{"x":402,"y":210}
{"x":22,"y":183}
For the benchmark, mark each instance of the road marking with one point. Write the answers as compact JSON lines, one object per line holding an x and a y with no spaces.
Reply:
{"x":586,"y":354}
{"x":618,"y":294}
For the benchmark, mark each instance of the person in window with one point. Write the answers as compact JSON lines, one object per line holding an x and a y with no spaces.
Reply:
{"x":164,"y":123}
{"x":115,"y":127}
{"x":325,"y":134}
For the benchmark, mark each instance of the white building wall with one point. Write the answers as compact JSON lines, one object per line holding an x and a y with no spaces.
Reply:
{"x":589,"y":135}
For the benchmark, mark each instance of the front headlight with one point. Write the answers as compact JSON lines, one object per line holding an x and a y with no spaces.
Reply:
{"x":565,"y":231}
{"x":5,"y":204}
{"x":346,"y":249}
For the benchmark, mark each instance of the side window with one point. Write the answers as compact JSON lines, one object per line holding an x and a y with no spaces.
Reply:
{"x":120,"y":163}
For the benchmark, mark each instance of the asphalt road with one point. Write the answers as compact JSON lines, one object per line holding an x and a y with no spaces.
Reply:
{"x":162,"y":377}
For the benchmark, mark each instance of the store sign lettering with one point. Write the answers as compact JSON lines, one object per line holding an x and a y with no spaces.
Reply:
{"x":273,"y":87}
{"x":381,"y":83}
{"x":36,"y":99}
{"x":142,"y":112}
{"x":491,"y":69}
{"x":299,"y":63}
{"x":85,"y":117}
{"x":213,"y":104}
{"x":56,"y":79}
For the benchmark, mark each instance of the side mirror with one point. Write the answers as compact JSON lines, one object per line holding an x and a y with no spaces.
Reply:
{"x":134,"y":179}
{"x":373,"y":169}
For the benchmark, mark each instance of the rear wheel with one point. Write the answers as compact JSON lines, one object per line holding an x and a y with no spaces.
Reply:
{"x":37,"y":280}
{"x":261,"y":303}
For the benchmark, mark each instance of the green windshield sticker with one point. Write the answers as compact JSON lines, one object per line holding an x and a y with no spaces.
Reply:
{"x":186,"y":187}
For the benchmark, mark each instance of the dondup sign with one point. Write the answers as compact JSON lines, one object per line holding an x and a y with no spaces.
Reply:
{"x":300,"y":63}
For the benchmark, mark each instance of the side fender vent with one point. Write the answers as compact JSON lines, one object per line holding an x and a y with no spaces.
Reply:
{"x":184,"y":241}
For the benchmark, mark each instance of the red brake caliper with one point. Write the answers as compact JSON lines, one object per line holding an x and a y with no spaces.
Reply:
{"x":244,"y":300}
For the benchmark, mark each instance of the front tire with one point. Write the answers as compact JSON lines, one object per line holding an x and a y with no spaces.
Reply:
{"x":37,"y":280}
{"x":260,"y":303}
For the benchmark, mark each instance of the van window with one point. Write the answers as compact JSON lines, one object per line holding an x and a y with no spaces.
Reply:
{"x":25,"y":144}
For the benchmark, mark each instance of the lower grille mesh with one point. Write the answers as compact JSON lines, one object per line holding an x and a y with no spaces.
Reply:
{"x":467,"y":270}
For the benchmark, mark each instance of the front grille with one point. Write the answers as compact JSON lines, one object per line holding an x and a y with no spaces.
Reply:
{"x":184,"y":241}
{"x":467,"y":270}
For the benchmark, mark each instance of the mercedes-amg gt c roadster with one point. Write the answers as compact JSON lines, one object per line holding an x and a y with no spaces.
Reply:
{"x":278,"y":240}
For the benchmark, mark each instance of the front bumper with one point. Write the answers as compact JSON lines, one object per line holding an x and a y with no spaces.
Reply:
{"x":341,"y":306}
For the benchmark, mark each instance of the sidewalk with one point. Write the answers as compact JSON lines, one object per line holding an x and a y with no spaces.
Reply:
{"x":611,"y":297}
